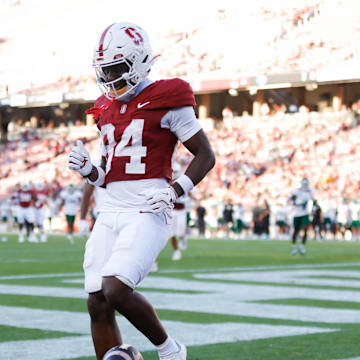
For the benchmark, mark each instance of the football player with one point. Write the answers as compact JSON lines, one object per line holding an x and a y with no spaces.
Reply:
{"x":140,"y":122}
{"x":41,"y":195}
{"x":70,"y":199}
{"x":300,"y":199}
{"x":53,"y":206}
{"x":26,"y":215}
{"x":5,"y":210}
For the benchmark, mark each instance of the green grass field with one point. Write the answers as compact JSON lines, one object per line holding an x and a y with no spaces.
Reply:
{"x":226,"y":299}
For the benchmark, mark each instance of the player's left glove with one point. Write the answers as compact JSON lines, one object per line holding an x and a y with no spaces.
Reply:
{"x":79,"y":159}
{"x":160,"y":200}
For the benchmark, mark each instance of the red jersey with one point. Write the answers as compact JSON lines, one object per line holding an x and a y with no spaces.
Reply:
{"x":40,"y":198}
{"x":25,"y":198}
{"x":136,"y":146}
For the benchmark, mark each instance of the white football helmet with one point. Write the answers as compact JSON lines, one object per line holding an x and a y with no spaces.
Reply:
{"x":304,"y":182}
{"x":122,"y":57}
{"x":25,"y":186}
{"x":39,"y":186}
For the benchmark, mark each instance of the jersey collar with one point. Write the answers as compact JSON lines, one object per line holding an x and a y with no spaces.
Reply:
{"x":144,"y":84}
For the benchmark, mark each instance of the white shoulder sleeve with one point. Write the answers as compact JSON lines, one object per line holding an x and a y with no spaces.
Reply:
{"x":181,"y":122}
{"x":102,"y":147}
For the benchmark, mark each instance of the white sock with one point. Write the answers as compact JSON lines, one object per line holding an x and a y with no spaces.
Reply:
{"x":168,"y":347}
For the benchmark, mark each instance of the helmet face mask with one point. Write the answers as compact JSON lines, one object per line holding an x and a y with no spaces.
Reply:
{"x":111,"y":79}
{"x":122,"y":59}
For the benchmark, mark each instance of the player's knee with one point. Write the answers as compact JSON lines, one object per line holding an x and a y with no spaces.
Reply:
{"x":115,"y":291}
{"x":98,"y":307}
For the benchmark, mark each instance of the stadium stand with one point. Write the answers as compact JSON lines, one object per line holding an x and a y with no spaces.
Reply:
{"x":258,"y":157}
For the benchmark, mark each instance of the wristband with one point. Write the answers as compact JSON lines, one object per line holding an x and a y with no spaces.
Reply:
{"x":100,"y":179}
{"x":185,"y":182}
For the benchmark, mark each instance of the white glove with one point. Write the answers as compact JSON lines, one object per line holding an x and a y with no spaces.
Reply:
{"x":79,"y":159}
{"x":83,"y":227}
{"x":160,"y":200}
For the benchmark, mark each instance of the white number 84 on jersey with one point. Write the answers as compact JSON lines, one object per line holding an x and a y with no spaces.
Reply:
{"x":135,"y":151}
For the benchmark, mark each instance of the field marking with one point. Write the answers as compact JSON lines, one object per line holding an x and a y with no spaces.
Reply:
{"x":270,"y":267}
{"x":224,"y":298}
{"x":221,"y":298}
{"x":70,"y":347}
{"x":40,"y":276}
{"x":235,"y":268}
{"x":297,"y":277}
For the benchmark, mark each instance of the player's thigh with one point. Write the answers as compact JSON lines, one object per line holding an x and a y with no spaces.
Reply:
{"x":180,"y":223}
{"x":98,"y":250}
{"x":30,"y":215}
{"x":40,"y":216}
{"x":70,"y":219}
{"x":21,"y":215}
{"x":139,"y":241}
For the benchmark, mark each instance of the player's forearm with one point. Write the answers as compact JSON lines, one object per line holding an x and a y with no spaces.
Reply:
{"x":201,"y":164}
{"x":84,"y":208}
{"x":94,"y":174}
{"x":85,"y":201}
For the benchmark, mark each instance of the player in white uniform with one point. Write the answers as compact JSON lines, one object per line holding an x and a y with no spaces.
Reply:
{"x":239,"y":212}
{"x":53,"y":203}
{"x":140,"y":122}
{"x":355,"y":223}
{"x":41,"y":195}
{"x":281,"y":215}
{"x":5,"y":215}
{"x":70,"y":199}
{"x":300,"y":199}
{"x":26,"y":213}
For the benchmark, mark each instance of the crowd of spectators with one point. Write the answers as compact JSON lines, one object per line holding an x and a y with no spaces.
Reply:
{"x":271,"y":38}
{"x":260,"y":160}
{"x":41,"y":155}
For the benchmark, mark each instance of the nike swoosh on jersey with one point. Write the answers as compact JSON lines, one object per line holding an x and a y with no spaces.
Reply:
{"x":140,"y":105}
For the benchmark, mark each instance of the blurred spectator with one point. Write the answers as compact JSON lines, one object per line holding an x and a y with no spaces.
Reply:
{"x":200,"y":220}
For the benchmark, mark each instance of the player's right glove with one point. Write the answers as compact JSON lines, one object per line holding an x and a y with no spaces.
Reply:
{"x":83,"y":227}
{"x":160,"y":199}
{"x":79,"y":159}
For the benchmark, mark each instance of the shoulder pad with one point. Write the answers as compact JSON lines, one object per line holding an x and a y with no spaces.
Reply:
{"x":170,"y":93}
